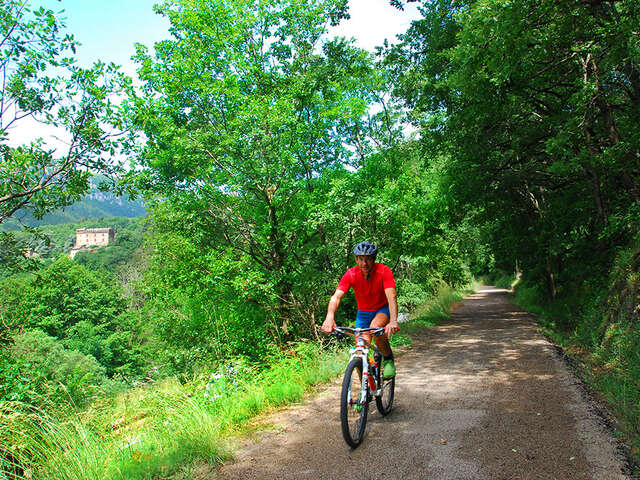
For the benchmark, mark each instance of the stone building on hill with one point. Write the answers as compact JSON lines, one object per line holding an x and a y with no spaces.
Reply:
{"x":95,"y":236}
{"x":86,"y":238}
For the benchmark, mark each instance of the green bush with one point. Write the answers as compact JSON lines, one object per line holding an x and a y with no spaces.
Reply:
{"x":505,"y":281}
{"x":55,"y":372}
{"x":156,"y":431}
{"x":399,"y":340}
{"x":18,"y":381}
{"x":410,"y":294}
{"x":84,"y":309}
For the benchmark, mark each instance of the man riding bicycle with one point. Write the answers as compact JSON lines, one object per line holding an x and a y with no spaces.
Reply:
{"x":375,"y":291}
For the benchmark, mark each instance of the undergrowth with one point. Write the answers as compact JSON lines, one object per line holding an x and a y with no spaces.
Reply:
{"x":153,"y":432}
{"x":434,"y":310}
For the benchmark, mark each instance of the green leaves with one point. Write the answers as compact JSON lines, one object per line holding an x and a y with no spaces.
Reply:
{"x":532,"y":104}
{"x":246,"y":107}
{"x":85,"y":310}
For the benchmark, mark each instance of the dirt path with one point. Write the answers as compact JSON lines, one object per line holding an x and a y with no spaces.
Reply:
{"x":482,"y":396}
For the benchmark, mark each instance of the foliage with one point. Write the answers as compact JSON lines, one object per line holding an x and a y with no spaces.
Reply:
{"x":204,"y":304}
{"x":434,"y":310}
{"x":42,"y":83}
{"x":400,"y":340}
{"x":81,"y":308}
{"x":153,"y":431}
{"x":95,"y":204}
{"x":534,"y":107}
{"x":534,"y":104}
{"x":60,"y":373}
{"x":245,"y":109}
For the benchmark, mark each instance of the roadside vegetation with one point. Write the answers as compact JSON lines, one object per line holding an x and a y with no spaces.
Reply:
{"x":534,"y":105}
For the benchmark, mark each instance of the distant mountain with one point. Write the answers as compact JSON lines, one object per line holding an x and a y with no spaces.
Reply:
{"x":95,"y":204}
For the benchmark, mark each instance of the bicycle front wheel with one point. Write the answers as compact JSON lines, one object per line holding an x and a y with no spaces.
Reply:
{"x":353,"y":412}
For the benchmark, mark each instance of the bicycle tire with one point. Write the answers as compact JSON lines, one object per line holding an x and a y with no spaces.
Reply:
{"x":384,"y":401}
{"x":353,"y":415}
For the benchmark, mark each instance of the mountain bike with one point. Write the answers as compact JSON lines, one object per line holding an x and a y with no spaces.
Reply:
{"x":363,"y":380}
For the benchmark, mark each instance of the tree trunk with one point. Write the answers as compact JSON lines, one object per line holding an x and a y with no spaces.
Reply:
{"x":551,"y":278}
{"x":591,"y":74}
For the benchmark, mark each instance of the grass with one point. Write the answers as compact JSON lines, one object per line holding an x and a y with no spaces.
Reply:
{"x":435,"y":310}
{"x":400,"y":340}
{"x":154,"y":432}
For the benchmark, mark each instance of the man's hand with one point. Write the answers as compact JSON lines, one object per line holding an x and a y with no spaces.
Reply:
{"x":328,"y":325}
{"x":391,"y":328}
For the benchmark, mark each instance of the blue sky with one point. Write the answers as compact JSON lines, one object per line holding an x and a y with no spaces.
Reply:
{"x":108,"y":29}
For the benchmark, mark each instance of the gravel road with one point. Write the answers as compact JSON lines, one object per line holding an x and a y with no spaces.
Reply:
{"x":482,"y":396}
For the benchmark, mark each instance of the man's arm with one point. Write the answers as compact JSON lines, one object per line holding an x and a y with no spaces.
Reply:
{"x":392,"y":298}
{"x":329,"y":322}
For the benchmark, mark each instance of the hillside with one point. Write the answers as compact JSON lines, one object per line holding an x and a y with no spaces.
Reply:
{"x":96,"y":204}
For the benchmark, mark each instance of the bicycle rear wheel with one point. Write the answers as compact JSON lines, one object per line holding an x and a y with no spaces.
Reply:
{"x":384,"y":401}
{"x":353,"y":413}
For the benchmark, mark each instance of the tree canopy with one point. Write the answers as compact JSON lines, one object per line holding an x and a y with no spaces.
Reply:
{"x":245,"y":109}
{"x":535,"y":105}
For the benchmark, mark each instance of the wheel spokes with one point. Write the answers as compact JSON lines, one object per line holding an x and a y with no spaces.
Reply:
{"x":355,"y":406}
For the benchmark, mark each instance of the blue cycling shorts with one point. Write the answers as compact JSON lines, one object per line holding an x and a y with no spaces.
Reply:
{"x":363,"y":319}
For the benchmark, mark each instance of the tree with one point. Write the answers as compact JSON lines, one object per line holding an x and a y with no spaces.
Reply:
{"x":534,"y":103}
{"x":85,"y":310}
{"x":244,"y":110}
{"x":42,"y":84}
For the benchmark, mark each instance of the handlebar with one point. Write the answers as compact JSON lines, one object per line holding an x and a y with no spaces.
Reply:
{"x":343,"y":331}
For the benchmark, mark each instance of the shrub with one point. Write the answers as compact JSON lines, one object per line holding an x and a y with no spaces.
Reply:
{"x":53,"y":371}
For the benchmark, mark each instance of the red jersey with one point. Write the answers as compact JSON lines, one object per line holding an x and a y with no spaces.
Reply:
{"x":369,"y":293}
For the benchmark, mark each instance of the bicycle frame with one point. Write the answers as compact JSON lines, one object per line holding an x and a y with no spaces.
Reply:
{"x":361,"y":351}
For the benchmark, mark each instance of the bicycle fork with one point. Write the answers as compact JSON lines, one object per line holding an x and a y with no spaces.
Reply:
{"x":367,"y":379}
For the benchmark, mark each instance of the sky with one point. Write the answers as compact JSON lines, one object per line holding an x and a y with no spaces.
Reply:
{"x":108,"y":30}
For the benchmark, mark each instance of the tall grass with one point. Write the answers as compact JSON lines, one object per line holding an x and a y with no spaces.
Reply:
{"x":436,"y":309}
{"x":153,"y":432}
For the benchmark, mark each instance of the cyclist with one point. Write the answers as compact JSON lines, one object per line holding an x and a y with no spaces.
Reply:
{"x":375,"y":291}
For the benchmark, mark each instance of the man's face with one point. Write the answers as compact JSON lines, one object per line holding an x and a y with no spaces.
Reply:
{"x":365,"y":262}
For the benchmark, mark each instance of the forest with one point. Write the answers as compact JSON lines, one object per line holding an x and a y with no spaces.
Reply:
{"x":493,"y":141}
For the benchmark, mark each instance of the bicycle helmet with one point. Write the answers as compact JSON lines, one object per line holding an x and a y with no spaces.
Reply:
{"x":365,"y":248}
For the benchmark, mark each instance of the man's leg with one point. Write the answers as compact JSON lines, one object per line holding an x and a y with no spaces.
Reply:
{"x":381,"y":320}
